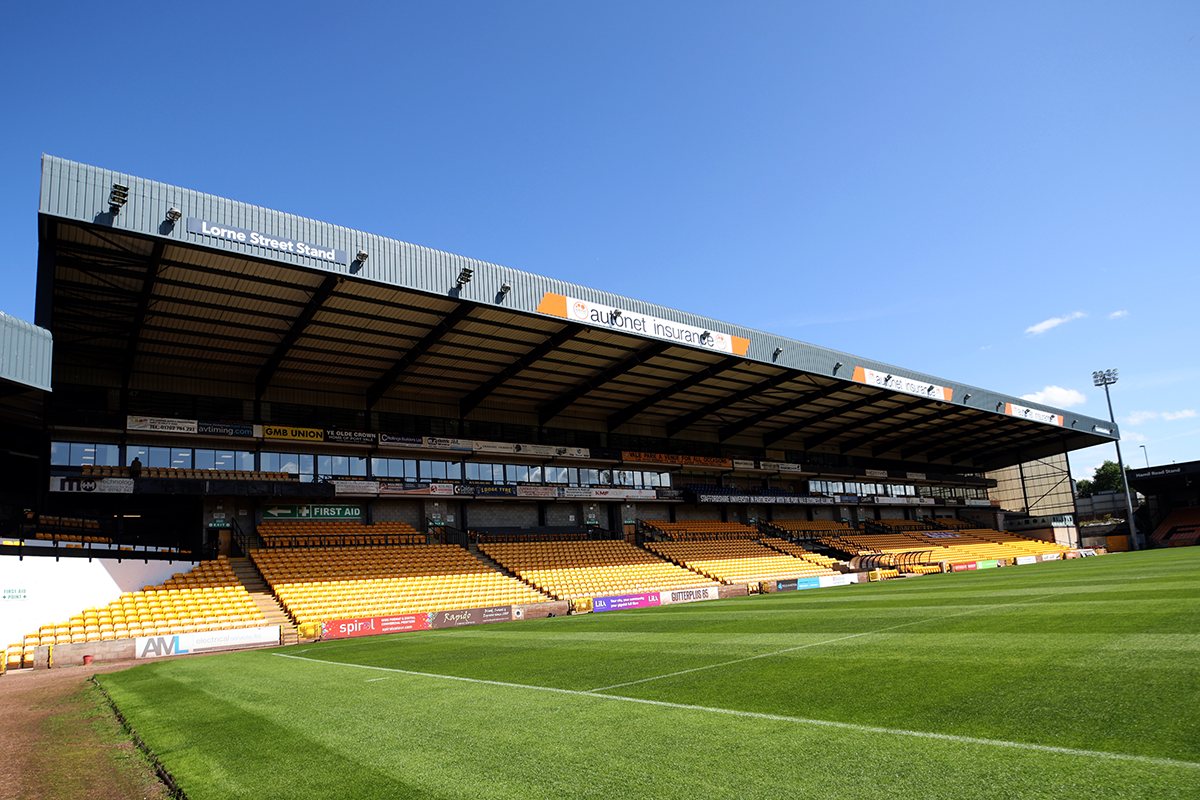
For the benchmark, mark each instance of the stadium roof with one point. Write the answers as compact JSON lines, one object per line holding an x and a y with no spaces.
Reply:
{"x":274,"y":302}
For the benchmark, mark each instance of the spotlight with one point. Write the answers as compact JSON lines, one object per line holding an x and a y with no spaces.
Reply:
{"x":173,"y":214}
{"x":505,"y":288}
{"x":362,"y":256}
{"x":966,"y":397}
{"x":778,"y":351}
{"x":464,"y":276}
{"x":838,"y":366}
{"x":705,"y":336}
{"x":616,"y":314}
{"x":117,"y":197}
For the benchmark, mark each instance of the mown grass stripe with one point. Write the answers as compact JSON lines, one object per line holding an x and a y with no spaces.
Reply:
{"x":818,"y":644}
{"x":945,"y":737}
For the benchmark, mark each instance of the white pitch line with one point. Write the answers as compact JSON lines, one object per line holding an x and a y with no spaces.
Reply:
{"x":817,"y":644}
{"x":372,"y":680}
{"x":945,"y":737}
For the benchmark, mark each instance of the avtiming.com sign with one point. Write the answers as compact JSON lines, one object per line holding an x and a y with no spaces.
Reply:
{"x":256,"y":239}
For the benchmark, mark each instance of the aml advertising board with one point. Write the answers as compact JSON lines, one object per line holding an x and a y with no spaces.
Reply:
{"x":400,"y":623}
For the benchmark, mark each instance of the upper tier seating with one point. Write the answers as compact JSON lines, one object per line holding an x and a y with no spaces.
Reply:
{"x":796,"y":527}
{"x":700,"y":530}
{"x":571,"y":570}
{"x":737,"y":561}
{"x":91,"y":471}
{"x":337,"y":533}
{"x":318,"y":584}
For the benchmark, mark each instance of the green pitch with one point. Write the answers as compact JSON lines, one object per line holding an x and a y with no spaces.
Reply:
{"x":1076,"y":679}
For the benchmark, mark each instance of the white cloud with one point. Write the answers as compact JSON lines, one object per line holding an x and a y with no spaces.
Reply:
{"x":1118,"y":314}
{"x":1140,"y":417}
{"x":1133,"y":436}
{"x":1053,"y":322}
{"x":1056,"y":396}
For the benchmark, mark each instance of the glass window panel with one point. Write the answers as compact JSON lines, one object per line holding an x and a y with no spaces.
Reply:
{"x":426,"y":469}
{"x":341,"y":466}
{"x":358,"y":467}
{"x":82,"y":454}
{"x":573,"y":476}
{"x":652,"y":479}
{"x":206,"y":459}
{"x":160,"y":457}
{"x":324,"y":465}
{"x":181,"y":459}
{"x":485,"y":472}
{"x":270,"y":462}
{"x":289,"y":463}
{"x":665,"y":479}
{"x":134,"y":451}
{"x":379,"y":467}
{"x":454,"y":471}
{"x":410,"y":469}
{"x":108,"y":455}
{"x":307,"y":463}
{"x":605,"y":477}
{"x":522,"y":473}
{"x":245,"y":461}
{"x":510,"y":473}
{"x":439,"y":470}
{"x":60,"y":454}
{"x":472,"y":471}
{"x":225,"y":459}
{"x":535,"y":474}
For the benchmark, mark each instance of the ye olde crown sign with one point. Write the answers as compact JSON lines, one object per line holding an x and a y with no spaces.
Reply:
{"x":571,"y":308}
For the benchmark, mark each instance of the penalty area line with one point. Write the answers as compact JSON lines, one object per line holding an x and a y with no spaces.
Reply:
{"x":848,"y":726}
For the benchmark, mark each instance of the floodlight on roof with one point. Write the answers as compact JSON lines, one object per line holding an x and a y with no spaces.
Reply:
{"x":173,"y":215}
{"x":117,"y":197}
{"x":505,"y":288}
{"x":361,"y":255}
{"x":464,"y":276}
{"x":778,"y":352}
{"x":616,"y":314}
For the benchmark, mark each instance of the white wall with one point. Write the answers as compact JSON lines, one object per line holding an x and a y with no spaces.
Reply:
{"x":55,"y":590}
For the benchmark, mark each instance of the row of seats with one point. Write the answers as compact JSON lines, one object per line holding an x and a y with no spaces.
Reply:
{"x":792,"y":549}
{"x":569,"y":570}
{"x":334,"y":533}
{"x":958,"y":547}
{"x":209,"y":597}
{"x":92,"y":471}
{"x":1180,"y":528}
{"x":806,"y":527}
{"x":64,"y":522}
{"x":737,"y":561}
{"x":72,"y":537}
{"x":320,"y":584}
{"x":700,"y":530}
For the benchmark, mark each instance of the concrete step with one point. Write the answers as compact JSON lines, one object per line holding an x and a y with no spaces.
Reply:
{"x":249,"y":576}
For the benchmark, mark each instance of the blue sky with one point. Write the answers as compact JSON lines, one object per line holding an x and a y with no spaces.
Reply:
{"x":1000,"y":194}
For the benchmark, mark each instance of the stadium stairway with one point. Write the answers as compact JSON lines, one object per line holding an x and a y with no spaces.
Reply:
{"x":267,"y":603}
{"x":494,"y":565}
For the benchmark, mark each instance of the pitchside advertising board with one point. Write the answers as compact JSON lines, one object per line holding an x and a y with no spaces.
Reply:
{"x":814,"y":582}
{"x":650,"y":599}
{"x":400,"y":623}
{"x":205,"y":642}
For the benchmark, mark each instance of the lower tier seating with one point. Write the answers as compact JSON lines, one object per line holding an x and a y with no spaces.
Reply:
{"x":324,"y":583}
{"x":737,"y":561}
{"x":570,"y":570}
{"x":208,"y":598}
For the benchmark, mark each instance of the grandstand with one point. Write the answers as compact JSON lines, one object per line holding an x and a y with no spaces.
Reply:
{"x":366,"y":426}
{"x":1180,"y":529}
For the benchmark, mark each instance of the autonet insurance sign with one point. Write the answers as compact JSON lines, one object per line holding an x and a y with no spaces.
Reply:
{"x":256,"y":239}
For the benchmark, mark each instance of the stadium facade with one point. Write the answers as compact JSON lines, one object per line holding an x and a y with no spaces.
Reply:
{"x":259,"y":366}
{"x":202,"y":333}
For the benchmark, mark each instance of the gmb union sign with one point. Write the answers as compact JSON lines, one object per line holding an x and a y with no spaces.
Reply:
{"x":256,"y":239}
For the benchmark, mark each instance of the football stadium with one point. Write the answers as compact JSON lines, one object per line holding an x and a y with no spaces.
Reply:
{"x":445,"y":528}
